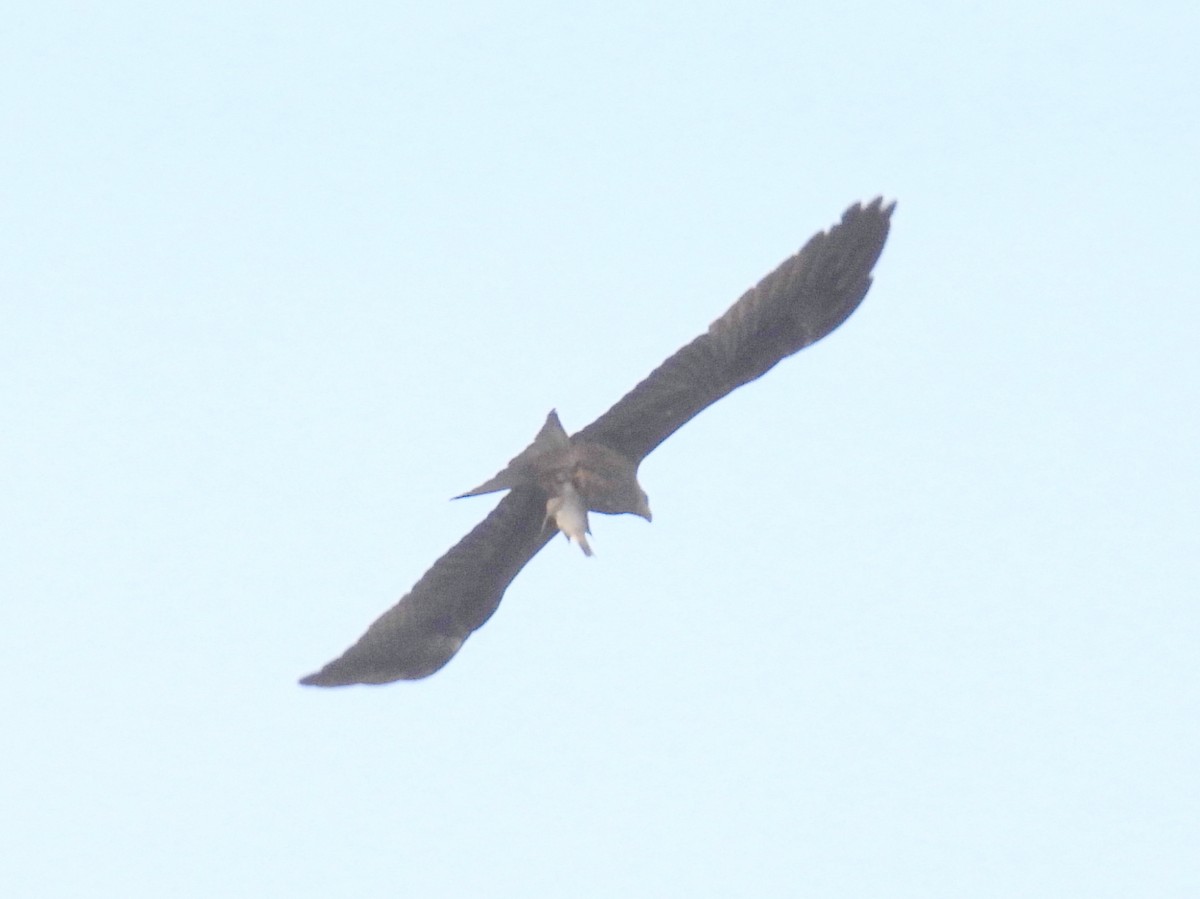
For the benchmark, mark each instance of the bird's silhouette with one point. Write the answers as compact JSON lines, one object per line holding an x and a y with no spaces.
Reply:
{"x":557,"y":480}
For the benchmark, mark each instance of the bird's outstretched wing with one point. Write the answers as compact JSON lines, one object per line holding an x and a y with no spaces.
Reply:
{"x":800,"y":302}
{"x":423,"y":631}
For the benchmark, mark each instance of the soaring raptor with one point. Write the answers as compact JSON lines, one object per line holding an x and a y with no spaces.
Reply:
{"x":557,"y":480}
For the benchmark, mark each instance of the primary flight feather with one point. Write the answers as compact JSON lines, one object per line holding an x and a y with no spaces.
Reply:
{"x":557,"y":480}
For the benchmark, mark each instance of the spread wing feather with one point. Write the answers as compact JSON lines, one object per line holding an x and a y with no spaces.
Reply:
{"x":800,"y":302}
{"x":423,"y":631}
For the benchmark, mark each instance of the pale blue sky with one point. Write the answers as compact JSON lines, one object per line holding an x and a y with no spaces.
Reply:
{"x":280,"y":278}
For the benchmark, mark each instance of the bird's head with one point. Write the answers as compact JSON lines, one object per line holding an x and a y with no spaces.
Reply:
{"x":608,"y":481}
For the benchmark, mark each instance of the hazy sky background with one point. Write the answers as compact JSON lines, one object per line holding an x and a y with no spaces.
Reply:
{"x":918,"y":614}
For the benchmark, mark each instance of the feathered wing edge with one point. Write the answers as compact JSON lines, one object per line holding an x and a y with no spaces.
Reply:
{"x":800,"y":302}
{"x":423,"y":631}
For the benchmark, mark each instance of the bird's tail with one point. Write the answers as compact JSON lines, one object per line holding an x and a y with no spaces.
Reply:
{"x":523,"y":469}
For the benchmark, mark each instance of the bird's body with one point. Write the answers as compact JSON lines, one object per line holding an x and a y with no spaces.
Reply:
{"x":557,"y":479}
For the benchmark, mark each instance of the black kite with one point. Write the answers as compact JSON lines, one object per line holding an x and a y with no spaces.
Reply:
{"x":557,"y":480}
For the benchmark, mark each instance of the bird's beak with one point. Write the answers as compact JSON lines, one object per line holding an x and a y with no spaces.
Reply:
{"x":644,"y":510}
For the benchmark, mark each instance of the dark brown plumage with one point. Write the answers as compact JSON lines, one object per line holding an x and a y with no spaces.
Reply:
{"x":557,"y":480}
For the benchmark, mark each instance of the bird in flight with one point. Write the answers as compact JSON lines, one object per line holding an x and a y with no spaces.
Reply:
{"x":558,"y":479}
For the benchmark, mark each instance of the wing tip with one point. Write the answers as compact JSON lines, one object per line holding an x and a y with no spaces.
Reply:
{"x":875,"y":209}
{"x":333,"y":675}
{"x":315,"y":680}
{"x":876,"y":205}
